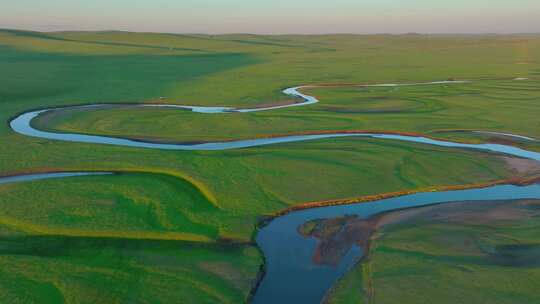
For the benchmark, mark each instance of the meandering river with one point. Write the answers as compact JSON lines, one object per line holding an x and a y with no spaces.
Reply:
{"x":291,"y":275}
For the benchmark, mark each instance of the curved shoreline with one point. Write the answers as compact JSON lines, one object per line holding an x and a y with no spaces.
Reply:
{"x":18,"y":178}
{"x":262,"y":223}
{"x":279,"y":239}
{"x":88,"y":172}
{"x":519,"y":181}
{"x":524,"y":181}
{"x":22,"y":124}
{"x":487,"y":132}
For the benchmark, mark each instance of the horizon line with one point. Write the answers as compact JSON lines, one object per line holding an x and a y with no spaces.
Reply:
{"x":22,"y":29}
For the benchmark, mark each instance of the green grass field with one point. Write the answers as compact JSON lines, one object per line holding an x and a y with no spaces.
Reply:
{"x":58,"y":269}
{"x":429,"y":109}
{"x":179,"y":224}
{"x":466,"y":253}
{"x":127,"y":205}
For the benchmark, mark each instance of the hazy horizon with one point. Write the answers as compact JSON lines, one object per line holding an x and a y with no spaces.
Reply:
{"x":276,"y":17}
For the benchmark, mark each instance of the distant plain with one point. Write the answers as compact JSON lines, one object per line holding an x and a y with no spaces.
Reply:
{"x":179,"y":224}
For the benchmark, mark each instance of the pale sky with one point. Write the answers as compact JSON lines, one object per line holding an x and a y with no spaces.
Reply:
{"x":275,"y":16}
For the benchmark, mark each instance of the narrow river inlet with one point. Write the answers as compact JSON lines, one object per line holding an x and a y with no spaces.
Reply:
{"x":293,"y":275}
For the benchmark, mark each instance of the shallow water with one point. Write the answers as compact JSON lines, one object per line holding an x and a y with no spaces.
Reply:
{"x":291,"y":274}
{"x":40,"y":176}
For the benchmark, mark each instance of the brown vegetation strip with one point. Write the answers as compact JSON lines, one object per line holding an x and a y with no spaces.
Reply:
{"x":301,"y":133}
{"x":325,"y":132}
{"x":523,"y":181}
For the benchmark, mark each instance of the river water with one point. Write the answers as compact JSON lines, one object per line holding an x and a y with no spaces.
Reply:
{"x":292,"y":276}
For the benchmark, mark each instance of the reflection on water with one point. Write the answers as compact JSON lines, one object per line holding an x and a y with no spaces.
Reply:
{"x":307,"y":251}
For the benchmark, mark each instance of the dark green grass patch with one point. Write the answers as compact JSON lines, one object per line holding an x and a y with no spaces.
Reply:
{"x":39,"y":77}
{"x":472,"y":252}
{"x":115,"y":270}
{"x":123,"y":205}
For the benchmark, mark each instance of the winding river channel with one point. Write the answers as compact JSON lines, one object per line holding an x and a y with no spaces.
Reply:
{"x":291,"y":274}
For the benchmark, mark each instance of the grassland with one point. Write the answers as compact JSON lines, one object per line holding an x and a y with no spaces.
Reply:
{"x":128,"y":205}
{"x":171,"y":211}
{"x":61,"y":269}
{"x":430,"y":109}
{"x":458,"y":253}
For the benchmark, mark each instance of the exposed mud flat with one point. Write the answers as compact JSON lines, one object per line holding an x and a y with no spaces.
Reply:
{"x":522,"y":165}
{"x":336,"y":236}
{"x":319,"y":246}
